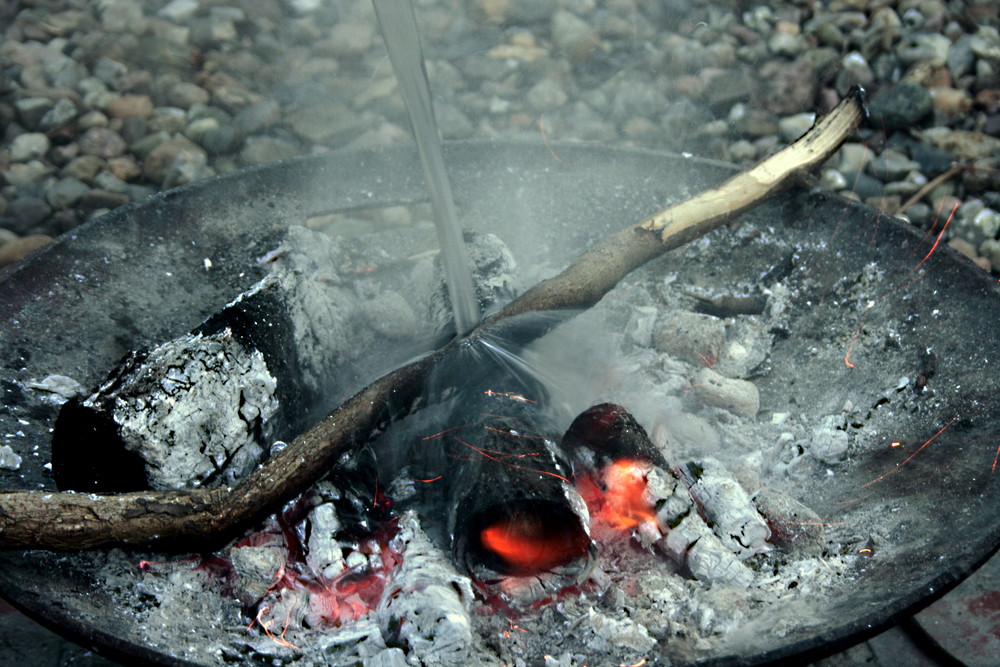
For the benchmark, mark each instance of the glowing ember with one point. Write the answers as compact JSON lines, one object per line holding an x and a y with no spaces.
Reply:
{"x":627,"y":499}
{"x":528,"y":546}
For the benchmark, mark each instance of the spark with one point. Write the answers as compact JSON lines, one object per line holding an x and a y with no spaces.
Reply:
{"x":266,"y":626}
{"x":910,"y":457}
{"x":937,"y":241}
{"x":545,"y":138}
{"x":866,"y":550}
{"x":513,"y":626}
{"x":510,"y":395}
{"x":427,"y":481}
{"x":857,"y":335}
{"x":708,"y":362}
{"x":995,"y":459}
{"x":493,"y":458}
{"x":444,"y":432}
{"x":635,"y":664}
{"x":815,"y":523}
{"x":895,"y":444}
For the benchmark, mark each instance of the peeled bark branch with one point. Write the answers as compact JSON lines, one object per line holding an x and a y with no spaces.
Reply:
{"x":72,"y":521}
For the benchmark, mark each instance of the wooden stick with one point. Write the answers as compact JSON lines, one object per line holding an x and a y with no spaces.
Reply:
{"x":206,"y":517}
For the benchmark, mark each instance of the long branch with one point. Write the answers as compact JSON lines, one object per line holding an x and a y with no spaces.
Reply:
{"x":73,"y":521}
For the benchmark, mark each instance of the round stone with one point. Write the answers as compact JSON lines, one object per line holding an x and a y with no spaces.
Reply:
{"x":29,"y":146}
{"x":900,"y":107}
{"x":102,"y":142}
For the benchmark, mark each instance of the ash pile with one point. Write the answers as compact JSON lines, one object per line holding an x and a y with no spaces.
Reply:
{"x":607,"y":495}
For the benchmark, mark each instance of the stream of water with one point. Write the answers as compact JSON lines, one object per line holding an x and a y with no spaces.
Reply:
{"x":402,"y":40}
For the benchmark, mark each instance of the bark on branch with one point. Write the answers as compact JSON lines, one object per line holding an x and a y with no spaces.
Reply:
{"x":73,"y":521}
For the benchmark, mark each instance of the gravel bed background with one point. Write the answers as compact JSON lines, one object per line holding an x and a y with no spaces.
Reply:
{"x":103,"y":103}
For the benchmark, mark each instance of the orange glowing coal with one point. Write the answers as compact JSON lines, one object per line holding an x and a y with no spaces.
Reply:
{"x":529,"y":547}
{"x":627,"y":502}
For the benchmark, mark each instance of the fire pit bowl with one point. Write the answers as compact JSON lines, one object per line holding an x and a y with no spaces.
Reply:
{"x":888,"y":331}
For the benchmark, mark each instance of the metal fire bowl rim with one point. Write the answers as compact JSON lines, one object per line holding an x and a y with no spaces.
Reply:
{"x":276,"y":185}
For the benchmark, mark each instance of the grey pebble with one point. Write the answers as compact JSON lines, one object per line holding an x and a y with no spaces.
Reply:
{"x":31,"y":110}
{"x":260,"y":149}
{"x":791,"y":128}
{"x":932,"y":160}
{"x":179,"y":11}
{"x":573,"y":36}
{"x":24,"y":213}
{"x":256,"y":117}
{"x":853,"y":157}
{"x":25,"y":174}
{"x":61,"y":113}
{"x":891,"y":165}
{"x":102,"y":142}
{"x":185,"y":94}
{"x":66,"y":192}
{"x":220,"y":140}
{"x":160,"y":160}
{"x":83,"y":168}
{"x":29,"y":146}
{"x":864,"y":186}
{"x":900,"y":107}
{"x":108,"y":181}
{"x":831,"y":179}
{"x":546,"y":95}
{"x":102,"y":199}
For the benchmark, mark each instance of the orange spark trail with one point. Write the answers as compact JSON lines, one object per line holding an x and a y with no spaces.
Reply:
{"x":266,"y":626}
{"x":937,"y":241}
{"x":995,"y":459}
{"x":509,"y":394}
{"x":905,"y":488}
{"x":441,"y":433}
{"x":910,"y":457}
{"x":493,"y":458}
{"x":857,"y":334}
{"x":545,"y":138}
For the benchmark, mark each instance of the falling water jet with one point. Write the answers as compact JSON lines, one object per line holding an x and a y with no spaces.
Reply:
{"x":402,"y":41}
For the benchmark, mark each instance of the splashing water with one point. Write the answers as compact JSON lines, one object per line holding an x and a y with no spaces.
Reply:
{"x":402,"y":40}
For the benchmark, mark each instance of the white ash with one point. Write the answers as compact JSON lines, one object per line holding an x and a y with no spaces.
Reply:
{"x":325,"y":554}
{"x":495,"y":274}
{"x":57,"y":388}
{"x":256,"y":567}
{"x":670,"y":497}
{"x":829,"y":441}
{"x":426,"y":607}
{"x":390,"y":315}
{"x":739,"y":397}
{"x":160,"y":408}
{"x":727,"y":506}
{"x":9,"y":460}
{"x":691,"y":337}
{"x":324,"y":311}
{"x":710,"y":561}
{"x":607,"y":634}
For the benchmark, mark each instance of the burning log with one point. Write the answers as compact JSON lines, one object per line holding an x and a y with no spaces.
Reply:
{"x":78,"y":521}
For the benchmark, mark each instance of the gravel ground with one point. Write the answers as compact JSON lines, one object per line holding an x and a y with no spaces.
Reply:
{"x":103,"y":103}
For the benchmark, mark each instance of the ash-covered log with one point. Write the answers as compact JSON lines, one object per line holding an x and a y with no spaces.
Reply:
{"x":194,"y":411}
